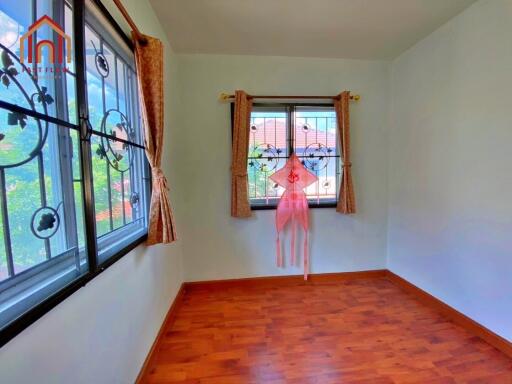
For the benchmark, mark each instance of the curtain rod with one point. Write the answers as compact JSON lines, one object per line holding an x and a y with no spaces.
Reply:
{"x":140,"y":37}
{"x":225,"y":97}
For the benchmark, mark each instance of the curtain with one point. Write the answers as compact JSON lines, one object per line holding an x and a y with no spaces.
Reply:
{"x":346,"y":200}
{"x":239,"y":185}
{"x":150,"y":66}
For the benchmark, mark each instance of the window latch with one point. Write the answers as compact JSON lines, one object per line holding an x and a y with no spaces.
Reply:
{"x":85,"y":128}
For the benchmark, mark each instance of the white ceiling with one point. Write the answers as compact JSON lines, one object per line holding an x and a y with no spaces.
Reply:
{"x":359,"y":29}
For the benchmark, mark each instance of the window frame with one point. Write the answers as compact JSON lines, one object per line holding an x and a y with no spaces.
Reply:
{"x":96,"y":264}
{"x":290,"y":110}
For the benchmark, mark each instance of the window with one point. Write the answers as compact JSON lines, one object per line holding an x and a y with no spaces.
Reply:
{"x":119,"y":168}
{"x":308,"y":130}
{"x":74,"y":180}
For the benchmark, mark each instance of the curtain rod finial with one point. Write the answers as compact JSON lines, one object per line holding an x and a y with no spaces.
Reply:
{"x":223,"y":97}
{"x":355,"y":97}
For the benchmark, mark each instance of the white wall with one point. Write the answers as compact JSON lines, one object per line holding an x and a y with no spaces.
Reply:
{"x":450,"y":210}
{"x":218,"y":246}
{"x":103,"y":332}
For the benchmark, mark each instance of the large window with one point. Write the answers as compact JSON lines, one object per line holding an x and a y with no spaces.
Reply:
{"x":310,"y":131}
{"x":74,"y":181}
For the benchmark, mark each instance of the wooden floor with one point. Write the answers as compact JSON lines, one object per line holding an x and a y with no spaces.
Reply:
{"x":356,"y":331}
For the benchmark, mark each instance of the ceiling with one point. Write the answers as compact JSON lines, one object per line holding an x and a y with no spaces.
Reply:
{"x":358,"y":29}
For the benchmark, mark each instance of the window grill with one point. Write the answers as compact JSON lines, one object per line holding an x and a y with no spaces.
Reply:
{"x":119,"y":173}
{"x":38,"y":171}
{"x":310,"y":131}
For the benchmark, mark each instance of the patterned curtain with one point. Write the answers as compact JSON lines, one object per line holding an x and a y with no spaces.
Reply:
{"x":150,"y":66}
{"x":347,"y":199}
{"x":239,"y":185}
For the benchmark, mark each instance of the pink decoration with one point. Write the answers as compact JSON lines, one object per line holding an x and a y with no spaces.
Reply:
{"x":293,"y":205}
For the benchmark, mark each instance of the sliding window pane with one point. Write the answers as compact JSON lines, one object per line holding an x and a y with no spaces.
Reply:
{"x":121,"y":193}
{"x":119,"y":165}
{"x":41,"y":248}
{"x":111,"y":81}
{"x":268,"y":152}
{"x":315,"y":139}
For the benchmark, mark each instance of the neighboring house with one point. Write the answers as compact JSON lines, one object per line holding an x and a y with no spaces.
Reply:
{"x":117,"y":211}
{"x":273,"y":132}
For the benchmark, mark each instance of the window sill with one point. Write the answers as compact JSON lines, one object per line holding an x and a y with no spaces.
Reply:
{"x":311,"y":206}
{"x":16,"y":326}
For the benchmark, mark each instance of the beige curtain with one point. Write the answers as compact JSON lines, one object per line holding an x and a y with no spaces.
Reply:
{"x":347,"y":199}
{"x":150,"y":67}
{"x":239,"y":185}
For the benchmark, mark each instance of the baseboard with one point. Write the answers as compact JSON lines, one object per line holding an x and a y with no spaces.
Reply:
{"x":169,"y":319}
{"x":455,"y":316}
{"x":284,"y":280}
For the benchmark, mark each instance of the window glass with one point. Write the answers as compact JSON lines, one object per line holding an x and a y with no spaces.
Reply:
{"x":120,"y":176}
{"x":268,"y":151}
{"x":315,"y":143}
{"x":310,"y":132}
{"x":111,"y":81}
{"x":42,"y":246}
{"x":121,"y":193}
{"x":41,"y":212}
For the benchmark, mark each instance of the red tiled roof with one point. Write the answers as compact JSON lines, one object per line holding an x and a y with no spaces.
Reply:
{"x":117,"y":212}
{"x":273,"y":132}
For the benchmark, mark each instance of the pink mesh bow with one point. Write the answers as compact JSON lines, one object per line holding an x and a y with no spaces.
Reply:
{"x":293,"y":205}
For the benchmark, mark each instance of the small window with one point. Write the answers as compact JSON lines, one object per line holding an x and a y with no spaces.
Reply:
{"x":310,"y":131}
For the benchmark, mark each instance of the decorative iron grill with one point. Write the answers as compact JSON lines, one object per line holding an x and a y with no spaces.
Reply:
{"x":113,"y":112}
{"x":39,"y":173}
{"x":45,"y":150}
{"x":310,"y":131}
{"x":72,"y":162}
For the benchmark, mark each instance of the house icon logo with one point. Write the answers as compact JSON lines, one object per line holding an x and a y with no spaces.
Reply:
{"x":55,"y":53}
